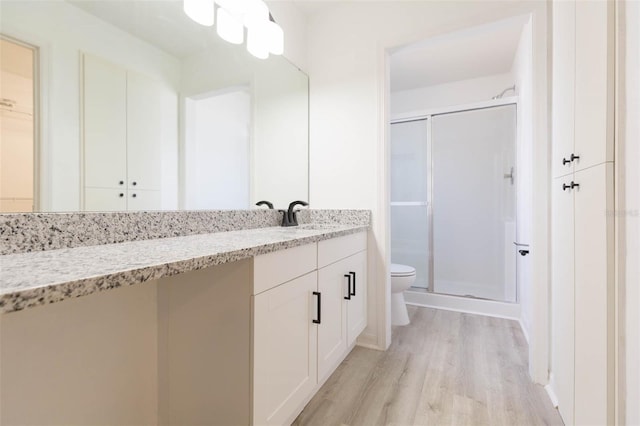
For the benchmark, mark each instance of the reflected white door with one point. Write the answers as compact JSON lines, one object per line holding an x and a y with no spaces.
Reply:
{"x":474,"y":200}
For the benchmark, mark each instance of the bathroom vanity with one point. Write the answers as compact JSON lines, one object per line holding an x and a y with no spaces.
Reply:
{"x":238,"y":327}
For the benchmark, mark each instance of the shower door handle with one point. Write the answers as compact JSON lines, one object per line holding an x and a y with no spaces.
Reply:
{"x":510,"y":176}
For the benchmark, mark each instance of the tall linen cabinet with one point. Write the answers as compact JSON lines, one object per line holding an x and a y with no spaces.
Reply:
{"x":582,"y":341}
{"x":129,"y":125}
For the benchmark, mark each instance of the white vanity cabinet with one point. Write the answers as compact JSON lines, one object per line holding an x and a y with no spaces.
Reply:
{"x":341,"y":282}
{"x":128,"y":121}
{"x":246,"y":342}
{"x":304,"y":328}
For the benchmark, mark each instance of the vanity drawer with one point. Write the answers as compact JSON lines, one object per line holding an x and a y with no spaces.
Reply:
{"x":330,"y":251}
{"x":272,"y":269}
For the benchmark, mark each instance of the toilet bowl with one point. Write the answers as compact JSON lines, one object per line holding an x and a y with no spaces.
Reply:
{"x":402,"y":277}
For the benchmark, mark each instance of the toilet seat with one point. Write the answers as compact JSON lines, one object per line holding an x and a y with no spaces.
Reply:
{"x":398,"y":270}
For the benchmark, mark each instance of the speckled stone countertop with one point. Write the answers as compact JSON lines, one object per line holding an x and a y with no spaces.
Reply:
{"x":38,"y":278}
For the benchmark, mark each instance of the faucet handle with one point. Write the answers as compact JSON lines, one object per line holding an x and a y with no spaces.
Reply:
{"x":265,"y":203}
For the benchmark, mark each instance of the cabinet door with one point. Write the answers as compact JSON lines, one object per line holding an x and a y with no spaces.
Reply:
{"x":285,"y":350}
{"x":144,"y":132}
{"x":332,"y":332}
{"x":105,"y":200}
{"x":562,"y":311}
{"x":104,"y":123}
{"x":594,"y":77}
{"x":144,"y":200}
{"x":594,"y":297}
{"x":563,"y":85}
{"x":357,"y":306}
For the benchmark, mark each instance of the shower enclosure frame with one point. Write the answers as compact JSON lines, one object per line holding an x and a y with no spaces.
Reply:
{"x":427,"y":116}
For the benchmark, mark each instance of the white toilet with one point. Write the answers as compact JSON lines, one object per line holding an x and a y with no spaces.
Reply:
{"x":402,"y":276}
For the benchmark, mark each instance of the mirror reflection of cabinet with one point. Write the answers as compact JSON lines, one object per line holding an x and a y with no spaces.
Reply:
{"x":129,"y":121}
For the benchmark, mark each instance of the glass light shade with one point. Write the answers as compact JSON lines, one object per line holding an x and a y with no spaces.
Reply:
{"x":229,"y":27}
{"x":258,"y":41}
{"x":256,"y":12}
{"x":236,"y":7}
{"x":201,"y":11}
{"x":276,"y":38}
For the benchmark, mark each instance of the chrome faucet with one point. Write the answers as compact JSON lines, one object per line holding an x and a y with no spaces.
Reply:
{"x":290,"y":217}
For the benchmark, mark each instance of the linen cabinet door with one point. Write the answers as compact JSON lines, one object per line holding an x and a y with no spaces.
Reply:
{"x":594,"y":297}
{"x":144,"y":132}
{"x":332,"y":332}
{"x":564,"y":37}
{"x":285,"y":349}
{"x":105,"y":200}
{"x":357,"y":305}
{"x":563,"y":292}
{"x":594,"y":79}
{"x":144,"y":200}
{"x":104,"y":123}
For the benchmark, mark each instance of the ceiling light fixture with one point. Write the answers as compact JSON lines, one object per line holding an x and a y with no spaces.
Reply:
{"x":264,"y":35}
{"x":201,"y":11}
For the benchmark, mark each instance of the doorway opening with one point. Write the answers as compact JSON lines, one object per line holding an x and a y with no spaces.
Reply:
{"x":461,"y":185}
{"x":218,"y":150}
{"x":18,"y":130}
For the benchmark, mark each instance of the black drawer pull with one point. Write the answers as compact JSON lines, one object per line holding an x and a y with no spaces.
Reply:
{"x":318,"y":321}
{"x":354,"y":283}
{"x":348,"y":296}
{"x":565,"y":186}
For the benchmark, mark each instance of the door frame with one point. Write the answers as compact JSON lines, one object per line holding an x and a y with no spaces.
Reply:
{"x":539,"y":334}
{"x":37,"y":112}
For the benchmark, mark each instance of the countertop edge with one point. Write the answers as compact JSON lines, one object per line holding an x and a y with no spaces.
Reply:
{"x":52,"y":293}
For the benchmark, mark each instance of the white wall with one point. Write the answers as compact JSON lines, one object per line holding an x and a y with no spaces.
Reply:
{"x":61,"y":45}
{"x":628,"y":215}
{"x":450,"y":94}
{"x":522,"y":75}
{"x":349,"y":114}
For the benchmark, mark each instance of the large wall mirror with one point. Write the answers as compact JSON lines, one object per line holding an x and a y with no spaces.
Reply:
{"x":128,"y":105}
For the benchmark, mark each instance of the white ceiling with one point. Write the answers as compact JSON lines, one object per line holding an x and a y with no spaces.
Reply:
{"x":477,"y":52}
{"x":161,"y":23}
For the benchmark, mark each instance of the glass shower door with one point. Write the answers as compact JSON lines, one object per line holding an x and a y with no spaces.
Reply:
{"x":410,"y":169}
{"x":474,"y":200}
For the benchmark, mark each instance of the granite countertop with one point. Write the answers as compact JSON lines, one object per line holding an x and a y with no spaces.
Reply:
{"x":38,"y":278}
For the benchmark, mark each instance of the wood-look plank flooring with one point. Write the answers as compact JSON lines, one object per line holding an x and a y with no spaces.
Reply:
{"x":445,"y":368}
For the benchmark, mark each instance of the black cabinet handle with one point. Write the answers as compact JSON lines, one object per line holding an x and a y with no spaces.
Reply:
{"x":121,"y":195}
{"x":523,"y":252}
{"x":565,"y":161}
{"x":134,"y":195}
{"x":574,"y":157}
{"x":134,"y":183}
{"x":565,"y":186}
{"x":574,"y":185}
{"x":348,"y":296}
{"x":318,"y":321}
{"x":121,"y":182}
{"x":354,"y":283}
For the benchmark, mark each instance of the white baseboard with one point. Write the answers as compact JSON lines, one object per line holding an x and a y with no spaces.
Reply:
{"x":524,"y":330}
{"x":550,"y":392}
{"x":368,"y":341}
{"x":489,"y":308}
